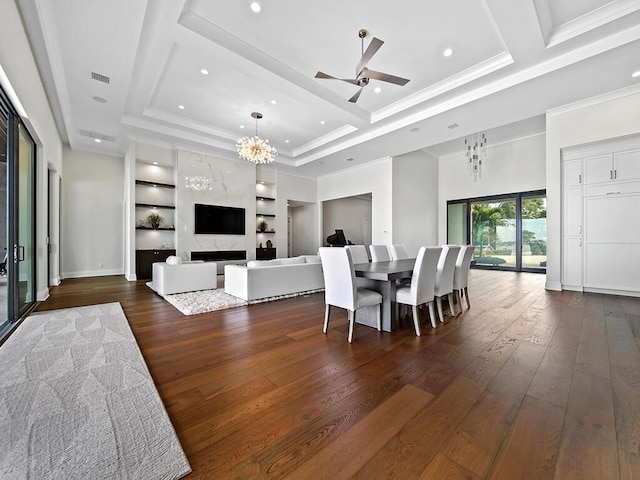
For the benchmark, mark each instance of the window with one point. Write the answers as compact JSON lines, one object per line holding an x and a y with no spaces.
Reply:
{"x":508,"y":231}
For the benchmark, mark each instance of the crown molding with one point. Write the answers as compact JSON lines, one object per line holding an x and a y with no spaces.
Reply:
{"x":588,"y":102}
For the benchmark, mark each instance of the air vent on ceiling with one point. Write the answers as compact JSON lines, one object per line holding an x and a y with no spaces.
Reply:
{"x":101,"y":136}
{"x":100,"y":78}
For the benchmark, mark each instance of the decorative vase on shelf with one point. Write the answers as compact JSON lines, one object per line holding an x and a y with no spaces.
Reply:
{"x":269,"y":244}
{"x":155,"y":220}
{"x":262,"y":226}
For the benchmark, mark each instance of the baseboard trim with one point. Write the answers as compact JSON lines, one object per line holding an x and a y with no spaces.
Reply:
{"x":92,"y":273}
{"x":555,"y":286}
{"x":132,"y":278}
{"x":607,"y":291}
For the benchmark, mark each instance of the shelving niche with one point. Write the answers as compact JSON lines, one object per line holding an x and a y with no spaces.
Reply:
{"x":155,"y":191}
{"x":265,"y":212}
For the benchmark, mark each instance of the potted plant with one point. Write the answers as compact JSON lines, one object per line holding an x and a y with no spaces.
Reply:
{"x":155,"y":220}
{"x":262,"y":225}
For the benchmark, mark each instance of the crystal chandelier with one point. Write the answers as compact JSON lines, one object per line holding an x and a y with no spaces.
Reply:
{"x":255,"y":149}
{"x":475,"y":152}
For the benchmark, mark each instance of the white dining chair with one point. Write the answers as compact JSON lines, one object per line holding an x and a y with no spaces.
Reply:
{"x":444,"y":278}
{"x":379,"y":253}
{"x":358,"y":253}
{"x":398,"y":252}
{"x":422,"y":286}
{"x":461,"y":274}
{"x":340,"y":288}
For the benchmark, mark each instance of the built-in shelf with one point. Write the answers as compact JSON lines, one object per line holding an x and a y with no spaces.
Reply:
{"x":168,"y":229}
{"x":266,"y":231}
{"x":149,"y":205}
{"x":266,"y":199}
{"x":265,"y":215}
{"x":154,"y":184}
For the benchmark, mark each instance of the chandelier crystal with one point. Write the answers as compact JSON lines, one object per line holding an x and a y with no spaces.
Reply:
{"x":255,"y":149}
{"x":198,"y":183}
{"x":475,"y":152}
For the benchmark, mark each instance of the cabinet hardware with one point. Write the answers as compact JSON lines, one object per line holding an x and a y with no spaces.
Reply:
{"x":610,"y":174}
{"x":579,"y":228}
{"x":613,"y":193}
{"x":615,"y":174}
{"x":579,"y":178}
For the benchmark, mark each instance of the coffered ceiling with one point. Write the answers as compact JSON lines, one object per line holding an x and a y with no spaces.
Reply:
{"x":512,"y":60}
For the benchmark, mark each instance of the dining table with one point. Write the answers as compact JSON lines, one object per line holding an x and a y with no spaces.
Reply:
{"x":382,"y":278}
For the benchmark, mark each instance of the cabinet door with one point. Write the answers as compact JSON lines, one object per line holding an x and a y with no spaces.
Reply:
{"x":598,"y":169}
{"x":627,"y":165}
{"x":572,"y":262}
{"x":572,"y":173}
{"x":572,"y":211}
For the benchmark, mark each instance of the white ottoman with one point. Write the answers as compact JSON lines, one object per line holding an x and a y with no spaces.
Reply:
{"x":184,"y":277}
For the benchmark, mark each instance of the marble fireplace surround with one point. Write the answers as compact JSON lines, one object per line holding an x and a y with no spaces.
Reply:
{"x":233,"y":184}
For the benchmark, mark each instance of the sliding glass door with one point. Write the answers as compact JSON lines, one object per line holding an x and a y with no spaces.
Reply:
{"x":17,"y":217}
{"x":509,"y":231}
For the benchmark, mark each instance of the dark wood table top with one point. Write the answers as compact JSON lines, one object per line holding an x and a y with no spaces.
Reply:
{"x":385,"y":270}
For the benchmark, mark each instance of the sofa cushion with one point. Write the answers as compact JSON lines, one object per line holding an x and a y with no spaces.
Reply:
{"x":311,"y":258}
{"x":275,"y":261}
{"x":173,"y":260}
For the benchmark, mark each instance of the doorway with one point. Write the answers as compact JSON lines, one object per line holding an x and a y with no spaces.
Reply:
{"x":17,"y":217}
{"x":509,"y":232}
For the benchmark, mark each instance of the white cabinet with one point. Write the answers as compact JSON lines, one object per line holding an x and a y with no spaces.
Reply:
{"x":572,"y":264}
{"x":572,"y":211}
{"x":572,"y":173}
{"x":612,"y":167}
{"x":627,"y":165}
{"x":601,"y":217}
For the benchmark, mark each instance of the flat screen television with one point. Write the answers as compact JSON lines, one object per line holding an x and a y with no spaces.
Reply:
{"x":218,"y":220}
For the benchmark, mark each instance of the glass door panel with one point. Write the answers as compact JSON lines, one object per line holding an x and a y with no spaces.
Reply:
{"x":534,"y":232}
{"x":493,"y":232}
{"x":4,"y":288}
{"x":457,"y":223}
{"x":24,"y":250}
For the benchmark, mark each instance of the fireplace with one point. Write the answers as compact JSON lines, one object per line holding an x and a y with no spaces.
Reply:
{"x":219,"y":255}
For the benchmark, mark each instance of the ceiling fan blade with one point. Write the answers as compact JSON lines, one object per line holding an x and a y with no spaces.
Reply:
{"x":371,"y":50}
{"x":329,"y":77}
{"x":385,"y":77}
{"x":354,"y":99}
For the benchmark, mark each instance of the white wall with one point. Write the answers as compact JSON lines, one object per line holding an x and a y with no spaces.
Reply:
{"x":415,"y":200}
{"x":376,"y":178}
{"x":233,"y":185}
{"x":17,"y":62}
{"x":350,"y":214}
{"x":609,"y":116}
{"x":511,"y":167}
{"x":303,"y":229}
{"x":93,"y":214}
{"x":301,"y":189}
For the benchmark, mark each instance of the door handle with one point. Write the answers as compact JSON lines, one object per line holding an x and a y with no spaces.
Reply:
{"x":20,"y":253}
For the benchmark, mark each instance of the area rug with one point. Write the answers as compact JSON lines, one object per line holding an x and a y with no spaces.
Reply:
{"x":192,"y":303}
{"x":77,"y":401}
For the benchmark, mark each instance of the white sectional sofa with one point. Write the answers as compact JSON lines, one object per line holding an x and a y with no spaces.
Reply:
{"x":270,"y":278}
{"x":183,"y":277}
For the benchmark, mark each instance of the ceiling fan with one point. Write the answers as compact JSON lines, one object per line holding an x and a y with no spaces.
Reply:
{"x":363,"y":74}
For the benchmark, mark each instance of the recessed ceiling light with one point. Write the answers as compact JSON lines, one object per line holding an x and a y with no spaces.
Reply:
{"x":256,"y":7}
{"x":241,"y":126}
{"x":447,"y":52}
{"x":415,"y":129}
{"x":322,"y":122}
{"x":350,"y":159}
{"x":99,"y":99}
{"x":377,"y":89}
{"x":636,"y":74}
{"x":273,"y":102}
{"x":155,"y":163}
{"x":181,"y":107}
{"x":204,"y":71}
{"x":286,"y":141}
{"x":261,"y":182}
{"x":97,"y":140}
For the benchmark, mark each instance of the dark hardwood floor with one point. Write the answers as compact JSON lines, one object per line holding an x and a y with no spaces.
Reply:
{"x":526,"y":384}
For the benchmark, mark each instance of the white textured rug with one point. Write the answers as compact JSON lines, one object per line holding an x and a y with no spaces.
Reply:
{"x":77,"y":402}
{"x":192,"y":303}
